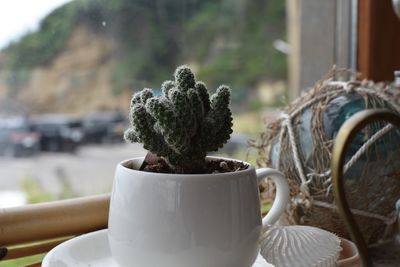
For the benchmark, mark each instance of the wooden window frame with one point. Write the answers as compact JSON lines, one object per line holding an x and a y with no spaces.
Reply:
{"x":378,"y":40}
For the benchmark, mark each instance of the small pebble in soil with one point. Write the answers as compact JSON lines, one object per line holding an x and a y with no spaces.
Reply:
{"x":223,"y":165}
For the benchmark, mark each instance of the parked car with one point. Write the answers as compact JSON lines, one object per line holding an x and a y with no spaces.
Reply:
{"x":17,"y":138}
{"x":59,"y":133}
{"x":104,"y":127}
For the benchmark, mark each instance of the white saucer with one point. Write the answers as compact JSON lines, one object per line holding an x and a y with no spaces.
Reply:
{"x":92,"y":250}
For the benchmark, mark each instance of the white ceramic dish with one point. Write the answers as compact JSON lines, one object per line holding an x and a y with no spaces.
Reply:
{"x":93,"y":250}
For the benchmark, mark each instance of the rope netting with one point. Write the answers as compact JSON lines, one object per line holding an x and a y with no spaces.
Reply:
{"x":310,"y":177}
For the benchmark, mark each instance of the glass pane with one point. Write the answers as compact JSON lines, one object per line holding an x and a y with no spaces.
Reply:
{"x":68,"y":70}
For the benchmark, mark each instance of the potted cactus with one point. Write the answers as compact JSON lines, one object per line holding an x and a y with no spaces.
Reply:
{"x":178,"y":207}
{"x":182,"y":125}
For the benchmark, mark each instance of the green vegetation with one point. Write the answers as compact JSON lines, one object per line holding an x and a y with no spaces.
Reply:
{"x":33,"y":191}
{"x":249,"y":123}
{"x":40,"y":47}
{"x":229,"y":38}
{"x":22,"y":261}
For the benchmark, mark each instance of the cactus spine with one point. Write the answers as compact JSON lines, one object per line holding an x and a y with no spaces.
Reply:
{"x":182,"y":124}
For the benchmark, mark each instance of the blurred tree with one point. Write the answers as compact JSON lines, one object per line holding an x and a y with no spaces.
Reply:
{"x":229,"y":38}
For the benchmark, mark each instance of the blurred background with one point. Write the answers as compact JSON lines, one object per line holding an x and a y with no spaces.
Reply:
{"x":69,"y":68}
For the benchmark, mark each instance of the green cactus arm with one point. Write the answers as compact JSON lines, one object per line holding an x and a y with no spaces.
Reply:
{"x":130,"y":136}
{"x":171,"y":128}
{"x":146,"y":94}
{"x":224,"y":133}
{"x":205,"y":136}
{"x":220,"y":105}
{"x":141,"y":97}
{"x":184,"y":78}
{"x":212,"y":137}
{"x":136,"y":99}
{"x":221,"y":118}
{"x":216,"y":140}
{"x":197,"y":107}
{"x":205,"y":97}
{"x":220,"y":99}
{"x":140,"y":128}
{"x":142,"y":131}
{"x":166,"y":86}
{"x":183,"y":110}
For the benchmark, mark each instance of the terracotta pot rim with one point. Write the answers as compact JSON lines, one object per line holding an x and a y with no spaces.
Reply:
{"x":354,"y":259}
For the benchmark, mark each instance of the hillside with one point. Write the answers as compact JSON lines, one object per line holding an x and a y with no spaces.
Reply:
{"x":92,"y":54}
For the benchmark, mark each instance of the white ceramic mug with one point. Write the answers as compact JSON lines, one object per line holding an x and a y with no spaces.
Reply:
{"x":196,"y":220}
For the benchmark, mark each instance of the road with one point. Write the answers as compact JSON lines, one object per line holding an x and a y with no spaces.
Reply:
{"x":89,"y":171}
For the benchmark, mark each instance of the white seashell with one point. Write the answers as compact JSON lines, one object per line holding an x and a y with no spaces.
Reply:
{"x":300,"y":246}
{"x":260,"y":262}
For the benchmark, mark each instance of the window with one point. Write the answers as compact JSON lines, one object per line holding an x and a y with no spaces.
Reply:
{"x":69,"y":70}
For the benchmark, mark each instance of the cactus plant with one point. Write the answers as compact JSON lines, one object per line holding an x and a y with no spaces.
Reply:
{"x":182,"y":124}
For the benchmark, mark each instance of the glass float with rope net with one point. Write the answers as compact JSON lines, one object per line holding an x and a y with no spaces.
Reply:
{"x":300,"y":142}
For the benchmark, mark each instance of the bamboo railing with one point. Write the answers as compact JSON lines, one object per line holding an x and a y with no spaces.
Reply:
{"x":43,"y":223}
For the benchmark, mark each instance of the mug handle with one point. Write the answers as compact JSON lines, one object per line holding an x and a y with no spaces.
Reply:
{"x":281,"y":197}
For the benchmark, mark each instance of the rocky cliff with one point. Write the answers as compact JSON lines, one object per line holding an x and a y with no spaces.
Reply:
{"x":77,"y":80}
